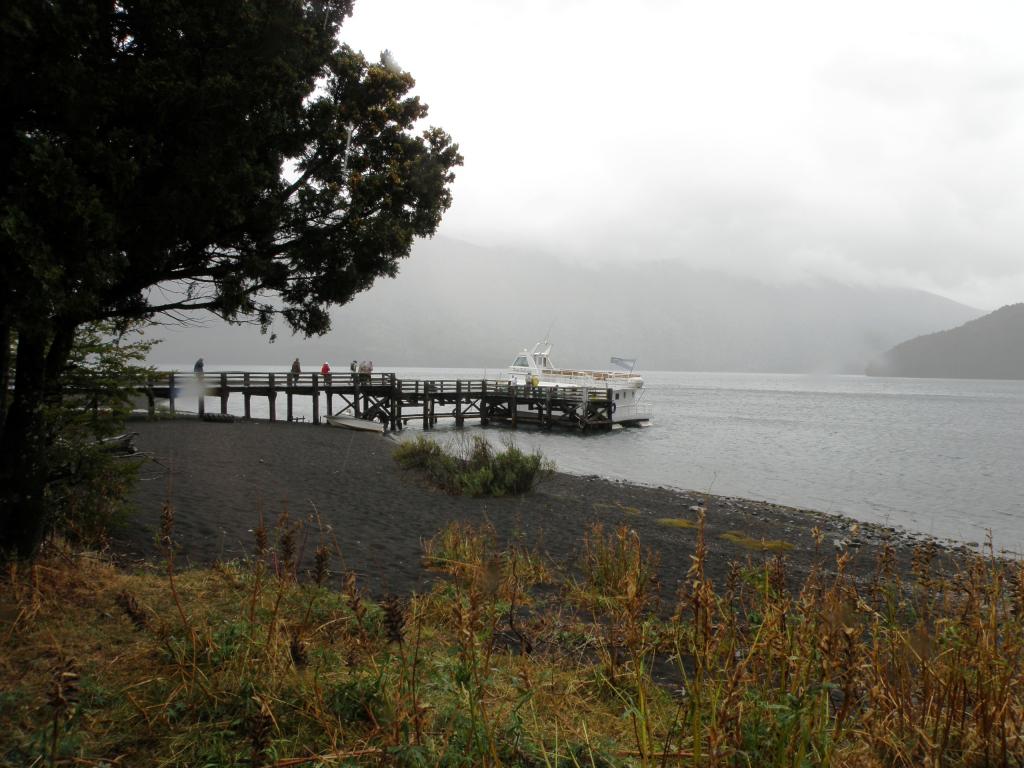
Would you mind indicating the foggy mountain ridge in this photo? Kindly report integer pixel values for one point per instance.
(455, 304)
(990, 347)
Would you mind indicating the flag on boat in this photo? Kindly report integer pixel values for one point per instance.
(624, 362)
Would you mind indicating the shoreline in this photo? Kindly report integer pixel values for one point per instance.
(891, 530)
(222, 476)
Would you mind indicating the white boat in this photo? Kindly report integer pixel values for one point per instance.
(534, 368)
(351, 422)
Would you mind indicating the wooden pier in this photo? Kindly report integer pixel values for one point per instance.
(393, 402)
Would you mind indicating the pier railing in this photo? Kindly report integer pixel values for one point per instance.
(492, 386)
(384, 397)
(252, 379)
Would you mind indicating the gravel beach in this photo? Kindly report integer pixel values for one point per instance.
(221, 477)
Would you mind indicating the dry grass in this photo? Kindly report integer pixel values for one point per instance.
(252, 663)
(618, 506)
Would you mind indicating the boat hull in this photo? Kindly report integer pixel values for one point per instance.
(359, 425)
(624, 390)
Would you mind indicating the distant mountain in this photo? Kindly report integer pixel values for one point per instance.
(991, 347)
(459, 305)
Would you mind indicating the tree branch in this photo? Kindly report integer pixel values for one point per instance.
(316, 165)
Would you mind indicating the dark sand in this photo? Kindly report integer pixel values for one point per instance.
(220, 476)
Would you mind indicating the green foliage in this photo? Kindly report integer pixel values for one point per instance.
(324, 188)
(790, 731)
(93, 500)
(91, 473)
(354, 700)
(474, 468)
(120, 202)
(440, 467)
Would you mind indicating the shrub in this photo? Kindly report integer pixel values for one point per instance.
(90, 473)
(474, 467)
(416, 454)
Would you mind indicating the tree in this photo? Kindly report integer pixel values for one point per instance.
(161, 158)
(92, 466)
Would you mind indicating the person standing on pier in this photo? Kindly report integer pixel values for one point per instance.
(325, 371)
(293, 377)
(198, 367)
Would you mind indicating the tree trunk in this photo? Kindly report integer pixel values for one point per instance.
(5, 369)
(56, 361)
(24, 466)
(25, 438)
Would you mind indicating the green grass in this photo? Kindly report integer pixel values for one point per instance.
(756, 545)
(676, 522)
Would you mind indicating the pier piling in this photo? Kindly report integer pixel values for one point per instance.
(272, 397)
(316, 399)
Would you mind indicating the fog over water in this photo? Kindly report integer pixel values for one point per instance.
(874, 142)
(458, 304)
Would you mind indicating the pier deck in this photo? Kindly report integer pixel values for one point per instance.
(394, 402)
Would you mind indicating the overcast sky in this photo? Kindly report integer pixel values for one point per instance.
(877, 142)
